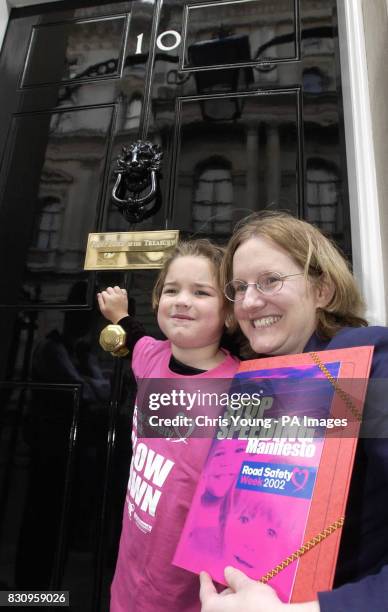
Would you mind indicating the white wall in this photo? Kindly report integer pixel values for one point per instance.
(363, 192)
(376, 38)
(4, 12)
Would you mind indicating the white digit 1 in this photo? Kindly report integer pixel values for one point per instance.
(173, 33)
(139, 44)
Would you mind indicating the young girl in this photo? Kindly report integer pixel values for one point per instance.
(164, 473)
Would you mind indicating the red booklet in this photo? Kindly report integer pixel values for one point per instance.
(276, 480)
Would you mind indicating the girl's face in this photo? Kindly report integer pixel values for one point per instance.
(279, 324)
(223, 466)
(254, 538)
(191, 312)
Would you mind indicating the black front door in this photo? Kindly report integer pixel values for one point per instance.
(243, 97)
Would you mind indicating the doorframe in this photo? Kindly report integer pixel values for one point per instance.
(367, 251)
(368, 263)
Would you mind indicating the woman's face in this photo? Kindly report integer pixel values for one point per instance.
(278, 324)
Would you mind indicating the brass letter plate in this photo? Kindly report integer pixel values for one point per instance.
(129, 250)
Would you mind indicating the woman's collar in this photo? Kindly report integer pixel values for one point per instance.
(315, 344)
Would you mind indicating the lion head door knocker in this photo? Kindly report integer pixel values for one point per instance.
(136, 192)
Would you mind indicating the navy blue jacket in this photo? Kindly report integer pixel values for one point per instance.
(361, 580)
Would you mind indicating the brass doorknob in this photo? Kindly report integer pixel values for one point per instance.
(112, 339)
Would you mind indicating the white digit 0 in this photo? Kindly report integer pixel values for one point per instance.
(173, 33)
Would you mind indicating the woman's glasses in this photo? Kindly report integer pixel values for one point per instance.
(269, 283)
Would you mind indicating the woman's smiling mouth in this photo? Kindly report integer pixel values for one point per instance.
(265, 321)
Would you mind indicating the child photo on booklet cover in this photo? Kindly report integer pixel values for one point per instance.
(256, 533)
(220, 473)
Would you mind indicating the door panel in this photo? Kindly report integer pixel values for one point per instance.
(33, 518)
(76, 60)
(259, 33)
(58, 197)
(217, 168)
(244, 98)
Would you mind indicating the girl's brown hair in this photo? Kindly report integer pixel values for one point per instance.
(315, 254)
(191, 248)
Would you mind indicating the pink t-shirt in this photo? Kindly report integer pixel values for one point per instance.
(163, 477)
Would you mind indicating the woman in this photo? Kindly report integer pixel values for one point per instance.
(291, 291)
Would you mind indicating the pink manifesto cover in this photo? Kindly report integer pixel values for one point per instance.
(263, 493)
